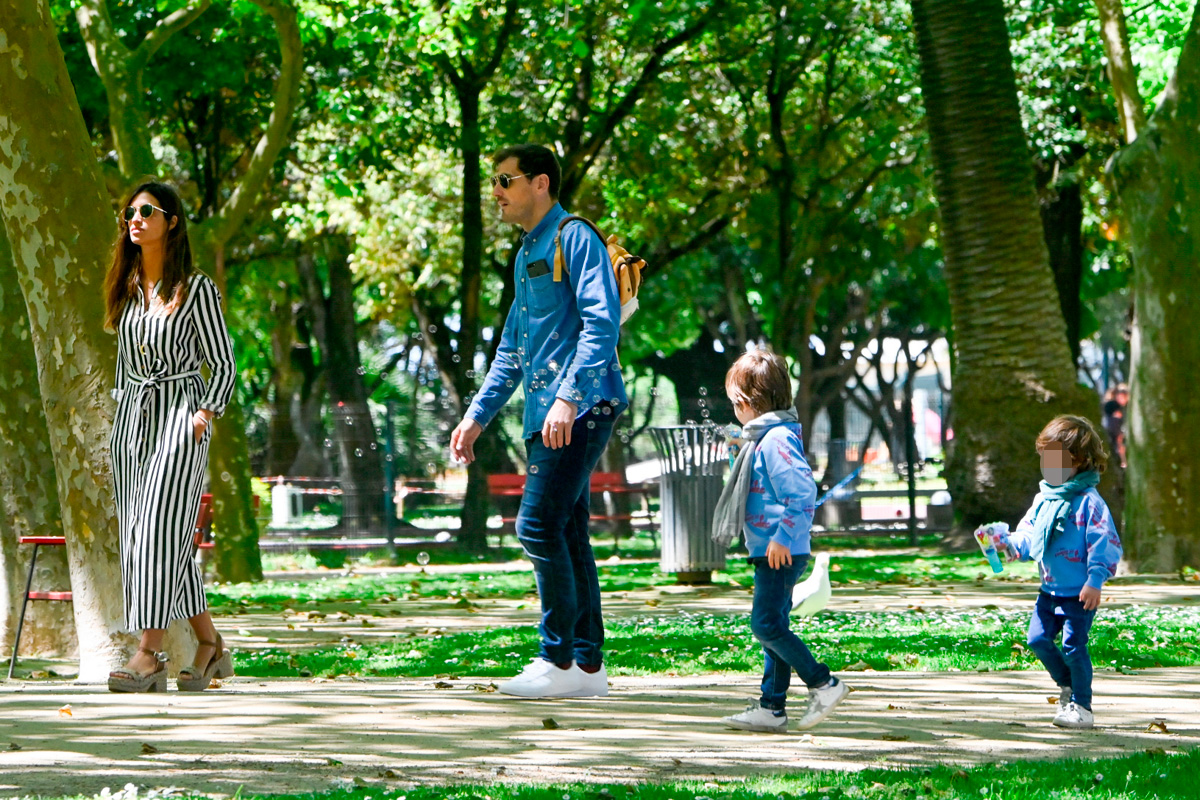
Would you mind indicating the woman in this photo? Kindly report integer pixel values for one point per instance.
(168, 321)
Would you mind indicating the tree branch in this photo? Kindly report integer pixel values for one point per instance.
(167, 27)
(1131, 108)
(287, 95)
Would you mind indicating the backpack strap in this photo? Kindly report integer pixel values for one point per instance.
(559, 258)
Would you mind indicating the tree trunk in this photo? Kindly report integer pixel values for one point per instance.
(473, 528)
(1157, 179)
(236, 557)
(283, 445)
(361, 464)
(1013, 370)
(60, 225)
(698, 373)
(1062, 226)
(28, 497)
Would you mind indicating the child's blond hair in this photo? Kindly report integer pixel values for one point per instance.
(759, 379)
(1079, 438)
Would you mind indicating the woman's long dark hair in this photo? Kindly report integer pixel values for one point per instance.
(120, 285)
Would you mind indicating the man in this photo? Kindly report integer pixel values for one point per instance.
(559, 343)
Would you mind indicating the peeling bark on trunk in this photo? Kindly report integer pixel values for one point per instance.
(60, 226)
(28, 497)
(1012, 368)
(1158, 181)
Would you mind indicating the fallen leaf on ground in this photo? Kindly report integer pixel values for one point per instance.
(1052, 700)
(857, 666)
(14, 746)
(390, 774)
(482, 687)
(652, 602)
(443, 685)
(894, 737)
(65, 711)
(1159, 725)
(333, 762)
(149, 749)
(549, 724)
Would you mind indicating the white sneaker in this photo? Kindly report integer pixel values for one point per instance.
(540, 678)
(821, 703)
(592, 684)
(757, 718)
(1075, 716)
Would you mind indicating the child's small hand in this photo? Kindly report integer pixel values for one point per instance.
(778, 555)
(1090, 597)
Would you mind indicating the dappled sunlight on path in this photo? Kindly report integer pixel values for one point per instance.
(277, 735)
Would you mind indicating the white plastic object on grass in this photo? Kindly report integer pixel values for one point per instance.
(812, 594)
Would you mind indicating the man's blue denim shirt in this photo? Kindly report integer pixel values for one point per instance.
(560, 339)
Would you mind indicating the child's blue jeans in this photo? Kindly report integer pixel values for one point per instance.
(769, 621)
(1071, 666)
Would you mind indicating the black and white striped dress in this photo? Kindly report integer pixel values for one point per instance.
(158, 467)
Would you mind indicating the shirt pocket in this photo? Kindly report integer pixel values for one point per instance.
(545, 295)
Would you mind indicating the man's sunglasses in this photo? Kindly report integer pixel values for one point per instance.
(145, 209)
(505, 180)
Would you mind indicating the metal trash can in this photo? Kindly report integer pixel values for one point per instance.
(693, 464)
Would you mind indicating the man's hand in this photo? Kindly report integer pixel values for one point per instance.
(462, 441)
(778, 555)
(556, 430)
(200, 422)
(1090, 597)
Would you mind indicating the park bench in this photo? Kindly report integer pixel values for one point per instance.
(513, 486)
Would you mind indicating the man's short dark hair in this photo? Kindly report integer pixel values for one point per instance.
(533, 160)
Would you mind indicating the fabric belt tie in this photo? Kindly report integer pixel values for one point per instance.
(141, 383)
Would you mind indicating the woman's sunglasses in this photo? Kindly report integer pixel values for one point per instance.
(505, 180)
(145, 209)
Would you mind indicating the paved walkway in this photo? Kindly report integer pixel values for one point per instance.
(291, 736)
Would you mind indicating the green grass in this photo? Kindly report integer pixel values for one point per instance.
(1149, 775)
(885, 568)
(685, 643)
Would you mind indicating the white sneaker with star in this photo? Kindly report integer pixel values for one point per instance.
(821, 703)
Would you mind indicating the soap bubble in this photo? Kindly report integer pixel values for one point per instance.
(422, 558)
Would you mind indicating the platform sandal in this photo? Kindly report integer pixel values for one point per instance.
(197, 679)
(132, 681)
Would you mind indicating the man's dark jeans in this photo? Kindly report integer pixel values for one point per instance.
(552, 526)
(770, 622)
(1071, 666)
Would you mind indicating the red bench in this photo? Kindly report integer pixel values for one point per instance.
(513, 485)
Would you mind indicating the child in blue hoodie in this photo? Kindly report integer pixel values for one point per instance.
(1070, 533)
(770, 497)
